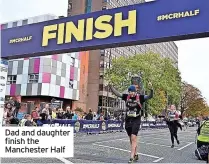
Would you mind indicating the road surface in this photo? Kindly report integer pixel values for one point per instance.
(154, 147)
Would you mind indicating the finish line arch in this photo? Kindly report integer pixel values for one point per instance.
(157, 21)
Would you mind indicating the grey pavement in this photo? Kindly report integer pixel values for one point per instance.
(153, 146)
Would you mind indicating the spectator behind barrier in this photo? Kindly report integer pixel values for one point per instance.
(44, 116)
(94, 116)
(68, 114)
(75, 116)
(60, 114)
(10, 114)
(89, 116)
(17, 106)
(54, 113)
(22, 122)
(5, 121)
(84, 116)
(35, 115)
(29, 121)
(11, 101)
(46, 109)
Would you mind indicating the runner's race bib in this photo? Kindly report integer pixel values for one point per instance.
(131, 114)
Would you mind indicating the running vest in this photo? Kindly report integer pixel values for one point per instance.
(133, 106)
(172, 115)
(204, 132)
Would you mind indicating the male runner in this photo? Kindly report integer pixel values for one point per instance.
(134, 102)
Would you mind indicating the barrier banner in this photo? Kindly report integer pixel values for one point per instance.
(145, 125)
(90, 126)
(81, 126)
(114, 125)
(87, 126)
(152, 125)
(57, 123)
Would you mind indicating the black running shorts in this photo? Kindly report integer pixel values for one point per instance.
(132, 126)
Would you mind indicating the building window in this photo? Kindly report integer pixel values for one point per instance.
(70, 6)
(14, 24)
(101, 64)
(24, 22)
(102, 52)
(101, 87)
(11, 79)
(101, 76)
(104, 8)
(4, 26)
(88, 6)
(33, 78)
(72, 61)
(71, 84)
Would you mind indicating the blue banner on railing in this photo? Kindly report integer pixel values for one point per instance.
(89, 126)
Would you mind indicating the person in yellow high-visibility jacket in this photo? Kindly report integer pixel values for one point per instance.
(203, 134)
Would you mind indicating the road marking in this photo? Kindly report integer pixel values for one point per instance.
(186, 146)
(150, 143)
(153, 134)
(109, 140)
(157, 160)
(65, 161)
(147, 155)
(164, 139)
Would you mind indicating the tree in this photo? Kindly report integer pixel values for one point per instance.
(157, 103)
(197, 108)
(189, 96)
(156, 69)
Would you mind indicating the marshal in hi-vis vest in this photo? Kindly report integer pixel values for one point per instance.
(133, 106)
(204, 132)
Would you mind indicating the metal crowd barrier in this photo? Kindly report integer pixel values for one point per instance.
(98, 127)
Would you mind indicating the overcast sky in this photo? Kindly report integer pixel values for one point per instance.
(193, 54)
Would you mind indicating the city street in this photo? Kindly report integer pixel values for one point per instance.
(154, 147)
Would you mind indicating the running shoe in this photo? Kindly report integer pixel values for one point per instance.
(136, 157)
(178, 142)
(172, 146)
(131, 160)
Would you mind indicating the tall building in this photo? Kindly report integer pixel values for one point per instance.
(30, 20)
(42, 79)
(98, 93)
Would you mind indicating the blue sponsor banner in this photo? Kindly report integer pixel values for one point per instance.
(161, 125)
(114, 125)
(145, 125)
(152, 125)
(157, 21)
(88, 126)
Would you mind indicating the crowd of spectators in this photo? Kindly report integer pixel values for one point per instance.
(12, 108)
(48, 113)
